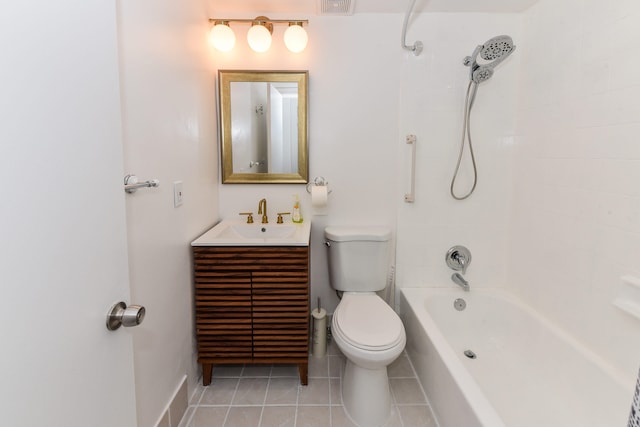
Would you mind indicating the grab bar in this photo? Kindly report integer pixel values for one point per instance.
(410, 196)
(131, 183)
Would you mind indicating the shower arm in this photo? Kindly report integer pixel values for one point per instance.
(416, 48)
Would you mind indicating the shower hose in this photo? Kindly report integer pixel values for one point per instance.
(466, 134)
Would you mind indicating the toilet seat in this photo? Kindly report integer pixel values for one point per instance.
(365, 321)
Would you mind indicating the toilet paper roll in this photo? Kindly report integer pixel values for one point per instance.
(319, 197)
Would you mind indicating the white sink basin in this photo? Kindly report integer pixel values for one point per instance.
(239, 233)
(258, 231)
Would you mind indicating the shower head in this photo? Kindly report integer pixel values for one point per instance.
(494, 50)
(481, 74)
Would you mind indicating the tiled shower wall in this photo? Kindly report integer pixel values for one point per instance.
(433, 88)
(576, 201)
(556, 214)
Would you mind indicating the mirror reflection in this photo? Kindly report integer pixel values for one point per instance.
(264, 131)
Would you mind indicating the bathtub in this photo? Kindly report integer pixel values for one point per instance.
(526, 373)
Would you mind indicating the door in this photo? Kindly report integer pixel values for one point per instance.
(63, 253)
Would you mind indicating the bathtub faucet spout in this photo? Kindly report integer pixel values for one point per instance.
(460, 281)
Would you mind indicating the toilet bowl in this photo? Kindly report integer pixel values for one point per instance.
(371, 336)
(367, 331)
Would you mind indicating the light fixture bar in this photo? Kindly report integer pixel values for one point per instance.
(272, 21)
(222, 37)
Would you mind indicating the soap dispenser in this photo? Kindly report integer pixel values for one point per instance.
(297, 214)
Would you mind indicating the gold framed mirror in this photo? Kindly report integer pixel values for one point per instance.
(263, 126)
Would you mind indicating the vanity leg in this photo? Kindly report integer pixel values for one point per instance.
(303, 370)
(207, 369)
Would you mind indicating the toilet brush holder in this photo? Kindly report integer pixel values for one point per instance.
(319, 336)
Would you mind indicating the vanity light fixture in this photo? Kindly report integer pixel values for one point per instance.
(259, 35)
(295, 38)
(223, 38)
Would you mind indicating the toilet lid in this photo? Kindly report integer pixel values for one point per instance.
(367, 322)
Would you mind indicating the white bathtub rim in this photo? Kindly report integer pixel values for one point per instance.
(620, 379)
(475, 397)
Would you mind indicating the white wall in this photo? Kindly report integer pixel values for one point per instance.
(576, 212)
(168, 89)
(433, 87)
(556, 215)
(574, 116)
(366, 94)
(354, 68)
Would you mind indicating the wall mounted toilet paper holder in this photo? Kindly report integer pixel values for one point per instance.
(319, 181)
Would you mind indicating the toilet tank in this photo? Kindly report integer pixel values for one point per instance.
(358, 257)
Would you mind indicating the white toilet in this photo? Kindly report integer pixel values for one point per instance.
(367, 331)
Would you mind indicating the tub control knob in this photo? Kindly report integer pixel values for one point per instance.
(458, 258)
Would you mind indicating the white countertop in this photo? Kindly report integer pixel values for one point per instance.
(239, 233)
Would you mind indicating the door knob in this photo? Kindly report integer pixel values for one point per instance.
(121, 315)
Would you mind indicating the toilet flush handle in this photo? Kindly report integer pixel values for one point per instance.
(327, 244)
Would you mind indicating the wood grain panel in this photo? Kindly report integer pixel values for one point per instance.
(252, 305)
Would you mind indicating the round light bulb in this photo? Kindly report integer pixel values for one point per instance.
(295, 38)
(222, 37)
(259, 38)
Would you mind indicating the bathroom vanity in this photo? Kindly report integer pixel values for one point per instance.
(252, 298)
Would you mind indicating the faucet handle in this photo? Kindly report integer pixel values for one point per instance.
(279, 220)
(463, 262)
(249, 216)
(458, 258)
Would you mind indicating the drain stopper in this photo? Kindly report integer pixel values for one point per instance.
(470, 354)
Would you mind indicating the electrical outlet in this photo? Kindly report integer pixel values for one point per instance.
(177, 194)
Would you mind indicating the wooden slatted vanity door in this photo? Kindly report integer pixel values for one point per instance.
(223, 315)
(280, 315)
(252, 304)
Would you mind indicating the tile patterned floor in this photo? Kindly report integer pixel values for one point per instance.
(270, 396)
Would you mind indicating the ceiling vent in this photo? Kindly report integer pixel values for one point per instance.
(336, 7)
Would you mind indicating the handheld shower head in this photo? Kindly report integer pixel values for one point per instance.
(481, 74)
(495, 50)
(492, 53)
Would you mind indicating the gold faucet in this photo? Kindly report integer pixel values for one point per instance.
(262, 210)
